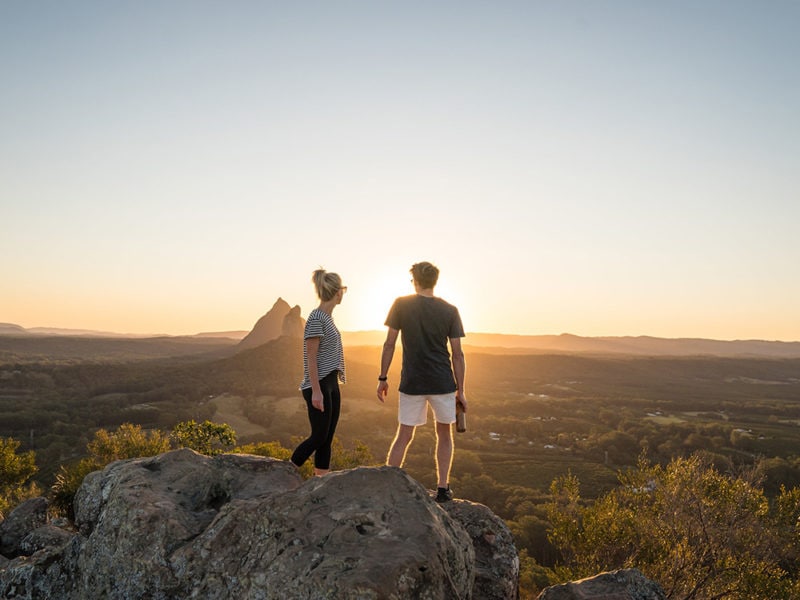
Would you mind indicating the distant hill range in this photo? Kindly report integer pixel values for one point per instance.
(285, 320)
(568, 343)
(639, 345)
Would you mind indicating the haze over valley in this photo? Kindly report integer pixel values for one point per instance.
(540, 406)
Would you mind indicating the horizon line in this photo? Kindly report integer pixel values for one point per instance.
(77, 332)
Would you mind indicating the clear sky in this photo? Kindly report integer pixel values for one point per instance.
(592, 167)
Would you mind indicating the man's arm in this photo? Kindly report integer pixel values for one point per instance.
(386, 361)
(459, 370)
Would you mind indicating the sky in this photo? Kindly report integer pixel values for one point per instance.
(587, 167)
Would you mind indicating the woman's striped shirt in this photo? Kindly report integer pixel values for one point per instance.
(331, 355)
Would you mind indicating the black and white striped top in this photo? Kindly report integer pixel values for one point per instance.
(331, 355)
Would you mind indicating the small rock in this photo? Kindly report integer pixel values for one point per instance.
(20, 522)
(625, 584)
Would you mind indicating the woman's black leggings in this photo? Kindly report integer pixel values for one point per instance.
(323, 424)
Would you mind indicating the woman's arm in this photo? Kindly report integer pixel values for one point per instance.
(312, 351)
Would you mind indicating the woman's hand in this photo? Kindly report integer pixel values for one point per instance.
(317, 400)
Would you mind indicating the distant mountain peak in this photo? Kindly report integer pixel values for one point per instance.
(279, 320)
(280, 304)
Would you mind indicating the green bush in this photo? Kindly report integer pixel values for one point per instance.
(698, 532)
(15, 473)
(207, 438)
(127, 441)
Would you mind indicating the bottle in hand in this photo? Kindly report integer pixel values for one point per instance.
(461, 419)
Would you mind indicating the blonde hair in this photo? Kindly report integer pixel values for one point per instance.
(326, 284)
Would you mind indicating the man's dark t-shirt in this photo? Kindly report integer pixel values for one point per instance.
(426, 324)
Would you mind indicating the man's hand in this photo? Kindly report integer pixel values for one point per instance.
(386, 360)
(462, 400)
(383, 390)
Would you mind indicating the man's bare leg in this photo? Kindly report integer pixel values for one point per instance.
(397, 451)
(444, 453)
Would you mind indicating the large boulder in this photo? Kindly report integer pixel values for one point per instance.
(625, 584)
(183, 525)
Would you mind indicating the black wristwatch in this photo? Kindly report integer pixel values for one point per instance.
(381, 378)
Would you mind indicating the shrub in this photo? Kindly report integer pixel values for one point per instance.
(207, 438)
(15, 473)
(127, 441)
(698, 532)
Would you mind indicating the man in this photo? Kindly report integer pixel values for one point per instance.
(427, 323)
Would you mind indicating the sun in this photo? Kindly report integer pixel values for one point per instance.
(368, 301)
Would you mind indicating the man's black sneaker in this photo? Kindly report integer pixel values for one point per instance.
(444, 494)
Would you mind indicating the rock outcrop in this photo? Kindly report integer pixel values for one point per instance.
(27, 517)
(293, 324)
(280, 320)
(496, 557)
(183, 525)
(625, 584)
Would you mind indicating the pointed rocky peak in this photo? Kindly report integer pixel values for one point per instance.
(281, 306)
(293, 323)
(268, 327)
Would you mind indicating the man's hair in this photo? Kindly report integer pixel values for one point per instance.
(425, 274)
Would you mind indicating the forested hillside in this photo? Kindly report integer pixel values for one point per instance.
(532, 418)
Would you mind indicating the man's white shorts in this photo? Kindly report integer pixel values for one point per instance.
(413, 410)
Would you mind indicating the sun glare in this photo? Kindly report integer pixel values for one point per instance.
(366, 309)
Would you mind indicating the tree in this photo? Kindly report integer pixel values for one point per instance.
(275, 450)
(699, 533)
(467, 461)
(15, 472)
(270, 449)
(341, 458)
(533, 577)
(127, 441)
(207, 438)
(483, 489)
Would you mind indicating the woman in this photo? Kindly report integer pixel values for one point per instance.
(323, 369)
